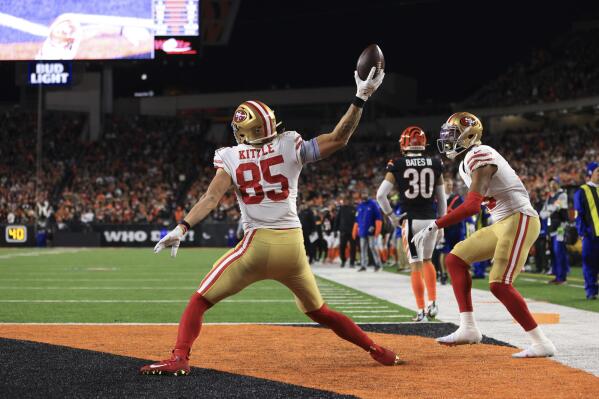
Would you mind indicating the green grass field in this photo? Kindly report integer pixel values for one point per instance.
(534, 286)
(136, 286)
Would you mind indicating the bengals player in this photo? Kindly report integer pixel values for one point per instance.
(492, 182)
(419, 180)
(264, 169)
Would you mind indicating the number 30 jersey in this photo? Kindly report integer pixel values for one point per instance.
(506, 194)
(416, 177)
(265, 180)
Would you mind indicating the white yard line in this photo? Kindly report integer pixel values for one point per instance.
(42, 253)
(537, 280)
(116, 288)
(349, 311)
(176, 324)
(138, 300)
(576, 336)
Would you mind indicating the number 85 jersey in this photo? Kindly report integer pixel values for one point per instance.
(265, 180)
(416, 177)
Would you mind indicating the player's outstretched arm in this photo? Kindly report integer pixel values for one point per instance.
(207, 202)
(481, 179)
(330, 142)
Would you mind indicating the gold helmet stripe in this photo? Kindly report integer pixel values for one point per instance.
(264, 116)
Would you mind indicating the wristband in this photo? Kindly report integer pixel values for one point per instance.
(358, 102)
(186, 225)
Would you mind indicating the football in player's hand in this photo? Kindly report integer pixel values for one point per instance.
(372, 56)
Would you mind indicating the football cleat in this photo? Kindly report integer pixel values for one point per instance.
(420, 317)
(432, 311)
(462, 336)
(178, 364)
(384, 356)
(545, 349)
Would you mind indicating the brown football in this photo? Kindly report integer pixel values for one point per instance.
(372, 56)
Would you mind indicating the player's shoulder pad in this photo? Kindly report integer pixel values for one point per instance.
(479, 151)
(289, 134)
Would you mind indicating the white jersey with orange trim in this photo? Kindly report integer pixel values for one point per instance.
(265, 180)
(506, 194)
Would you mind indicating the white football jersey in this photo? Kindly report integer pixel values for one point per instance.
(506, 194)
(265, 180)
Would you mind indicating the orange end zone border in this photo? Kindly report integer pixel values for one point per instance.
(317, 358)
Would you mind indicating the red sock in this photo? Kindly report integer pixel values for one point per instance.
(459, 271)
(418, 288)
(515, 304)
(430, 279)
(342, 325)
(191, 322)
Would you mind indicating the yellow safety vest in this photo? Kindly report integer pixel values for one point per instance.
(592, 196)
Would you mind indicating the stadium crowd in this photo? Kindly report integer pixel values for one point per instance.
(121, 179)
(565, 70)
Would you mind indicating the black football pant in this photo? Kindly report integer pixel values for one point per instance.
(344, 238)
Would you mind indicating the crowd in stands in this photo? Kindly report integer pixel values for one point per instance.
(566, 70)
(153, 170)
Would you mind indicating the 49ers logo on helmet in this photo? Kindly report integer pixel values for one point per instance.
(468, 121)
(240, 116)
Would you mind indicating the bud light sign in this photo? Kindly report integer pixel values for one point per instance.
(50, 73)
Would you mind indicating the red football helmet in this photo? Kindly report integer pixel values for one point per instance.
(412, 138)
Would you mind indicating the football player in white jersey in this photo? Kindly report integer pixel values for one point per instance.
(491, 182)
(264, 168)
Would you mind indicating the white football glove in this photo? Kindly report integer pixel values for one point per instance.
(367, 87)
(395, 219)
(172, 239)
(544, 214)
(440, 236)
(428, 233)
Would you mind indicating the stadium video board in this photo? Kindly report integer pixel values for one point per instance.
(76, 29)
(176, 17)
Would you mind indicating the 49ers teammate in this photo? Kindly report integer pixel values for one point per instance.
(264, 169)
(419, 179)
(491, 181)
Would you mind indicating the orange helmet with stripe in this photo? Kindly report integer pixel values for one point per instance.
(253, 123)
(412, 138)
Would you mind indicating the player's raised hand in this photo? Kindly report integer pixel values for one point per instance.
(172, 239)
(365, 88)
(426, 234)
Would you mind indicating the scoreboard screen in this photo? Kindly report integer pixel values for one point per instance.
(76, 29)
(176, 17)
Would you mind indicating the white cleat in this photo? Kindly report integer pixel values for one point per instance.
(462, 336)
(545, 349)
(432, 311)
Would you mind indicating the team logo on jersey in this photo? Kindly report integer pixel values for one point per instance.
(468, 121)
(240, 116)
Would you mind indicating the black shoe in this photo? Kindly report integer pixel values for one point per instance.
(592, 298)
(362, 269)
(443, 278)
(377, 268)
(352, 265)
(343, 264)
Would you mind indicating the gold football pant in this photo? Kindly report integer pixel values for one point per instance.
(264, 254)
(507, 242)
